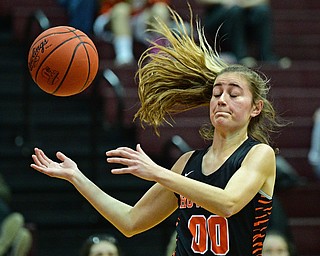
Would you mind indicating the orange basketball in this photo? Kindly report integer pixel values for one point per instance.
(63, 61)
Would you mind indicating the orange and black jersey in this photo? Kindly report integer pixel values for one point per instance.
(200, 232)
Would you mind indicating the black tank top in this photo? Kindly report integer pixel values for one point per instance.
(200, 232)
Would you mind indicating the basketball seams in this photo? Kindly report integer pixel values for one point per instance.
(81, 43)
(51, 34)
(86, 83)
(61, 66)
(49, 54)
(88, 57)
(89, 41)
(89, 65)
(68, 69)
(42, 49)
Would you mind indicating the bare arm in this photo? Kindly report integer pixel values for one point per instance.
(156, 205)
(256, 173)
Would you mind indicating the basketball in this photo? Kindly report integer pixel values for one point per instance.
(63, 61)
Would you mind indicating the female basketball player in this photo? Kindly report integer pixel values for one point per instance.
(223, 192)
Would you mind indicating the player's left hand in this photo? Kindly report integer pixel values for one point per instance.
(137, 162)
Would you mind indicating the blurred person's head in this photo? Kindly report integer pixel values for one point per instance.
(101, 245)
(276, 244)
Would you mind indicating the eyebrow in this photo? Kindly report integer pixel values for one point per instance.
(230, 84)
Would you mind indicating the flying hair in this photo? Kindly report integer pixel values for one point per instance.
(179, 76)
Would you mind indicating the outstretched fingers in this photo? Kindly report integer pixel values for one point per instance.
(121, 154)
(36, 162)
(124, 156)
(124, 170)
(136, 162)
(121, 160)
(117, 160)
(40, 158)
(121, 151)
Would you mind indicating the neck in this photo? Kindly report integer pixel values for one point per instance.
(224, 144)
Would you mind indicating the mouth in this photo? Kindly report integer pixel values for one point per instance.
(221, 113)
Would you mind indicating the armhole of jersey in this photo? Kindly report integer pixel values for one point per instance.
(265, 194)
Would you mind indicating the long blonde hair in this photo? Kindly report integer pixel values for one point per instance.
(180, 77)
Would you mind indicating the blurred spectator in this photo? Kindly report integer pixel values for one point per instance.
(314, 153)
(15, 239)
(277, 244)
(81, 13)
(242, 23)
(5, 197)
(120, 22)
(171, 246)
(101, 245)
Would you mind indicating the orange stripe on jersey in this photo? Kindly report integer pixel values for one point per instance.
(262, 216)
(257, 251)
(266, 201)
(263, 209)
(258, 237)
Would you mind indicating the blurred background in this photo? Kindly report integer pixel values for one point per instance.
(86, 125)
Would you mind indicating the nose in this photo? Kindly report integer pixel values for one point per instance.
(222, 99)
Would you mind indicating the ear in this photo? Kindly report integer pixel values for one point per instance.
(257, 107)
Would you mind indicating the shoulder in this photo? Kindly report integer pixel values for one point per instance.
(181, 162)
(261, 151)
(261, 157)
(260, 162)
(263, 161)
(262, 148)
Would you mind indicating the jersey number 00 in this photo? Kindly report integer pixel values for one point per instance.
(213, 229)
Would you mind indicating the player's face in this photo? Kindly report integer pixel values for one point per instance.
(231, 105)
(104, 248)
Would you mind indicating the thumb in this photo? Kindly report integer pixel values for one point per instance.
(139, 149)
(61, 156)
